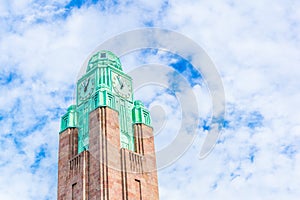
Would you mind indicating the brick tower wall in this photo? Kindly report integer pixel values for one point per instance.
(106, 171)
(72, 168)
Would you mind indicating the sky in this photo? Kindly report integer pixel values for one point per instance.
(255, 47)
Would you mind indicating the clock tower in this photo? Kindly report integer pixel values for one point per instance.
(106, 143)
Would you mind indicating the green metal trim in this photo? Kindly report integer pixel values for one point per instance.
(69, 120)
(104, 58)
(140, 114)
(104, 98)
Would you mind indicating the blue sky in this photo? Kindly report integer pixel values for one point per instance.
(255, 48)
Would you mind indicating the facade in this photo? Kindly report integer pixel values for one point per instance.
(106, 143)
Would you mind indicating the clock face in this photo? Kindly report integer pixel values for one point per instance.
(121, 86)
(86, 88)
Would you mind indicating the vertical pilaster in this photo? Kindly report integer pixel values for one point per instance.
(144, 141)
(104, 148)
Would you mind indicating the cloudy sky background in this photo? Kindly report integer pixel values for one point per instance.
(254, 45)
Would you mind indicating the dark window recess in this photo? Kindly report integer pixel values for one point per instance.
(103, 55)
(74, 188)
(138, 188)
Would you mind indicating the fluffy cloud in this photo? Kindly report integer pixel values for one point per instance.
(255, 46)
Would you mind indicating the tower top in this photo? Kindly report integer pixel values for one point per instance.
(106, 143)
(104, 58)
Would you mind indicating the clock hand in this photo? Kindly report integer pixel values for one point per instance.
(120, 82)
(82, 85)
(86, 85)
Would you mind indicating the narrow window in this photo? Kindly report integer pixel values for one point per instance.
(138, 189)
(74, 187)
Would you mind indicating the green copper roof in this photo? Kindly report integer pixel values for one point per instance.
(104, 58)
(69, 120)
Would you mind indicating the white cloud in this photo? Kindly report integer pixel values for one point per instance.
(255, 46)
